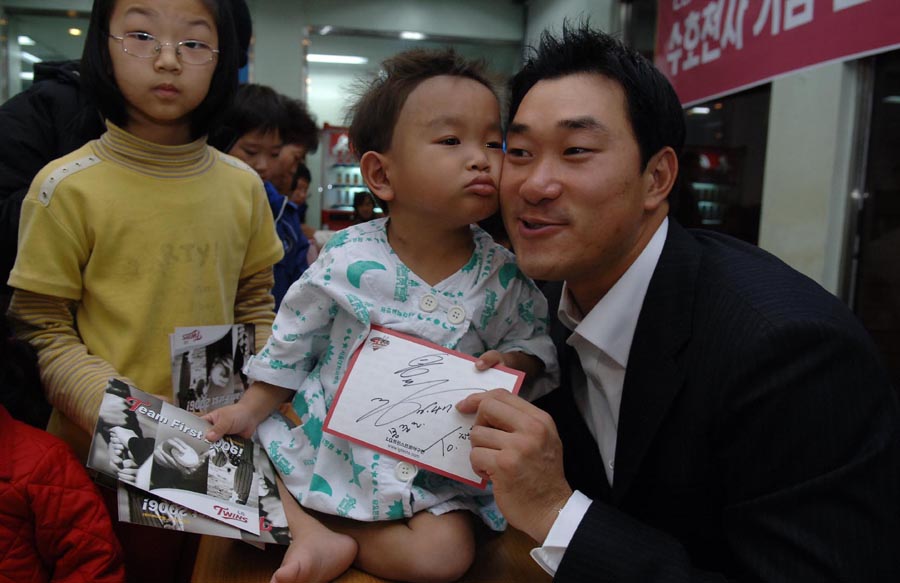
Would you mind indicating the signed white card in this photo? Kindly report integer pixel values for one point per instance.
(399, 397)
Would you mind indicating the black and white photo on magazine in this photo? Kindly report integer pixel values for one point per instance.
(207, 363)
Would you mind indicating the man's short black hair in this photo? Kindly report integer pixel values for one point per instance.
(654, 109)
(100, 84)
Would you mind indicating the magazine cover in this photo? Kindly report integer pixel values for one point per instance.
(158, 448)
(273, 526)
(138, 507)
(207, 363)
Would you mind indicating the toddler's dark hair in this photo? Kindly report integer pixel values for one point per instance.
(375, 113)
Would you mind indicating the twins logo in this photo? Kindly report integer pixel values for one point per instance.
(379, 342)
(193, 335)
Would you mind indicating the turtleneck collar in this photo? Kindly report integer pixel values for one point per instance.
(156, 160)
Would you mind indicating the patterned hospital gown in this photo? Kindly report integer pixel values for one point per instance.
(358, 281)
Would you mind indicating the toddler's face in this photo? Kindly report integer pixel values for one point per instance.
(445, 156)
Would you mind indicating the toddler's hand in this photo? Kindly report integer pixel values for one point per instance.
(230, 420)
(490, 359)
(526, 363)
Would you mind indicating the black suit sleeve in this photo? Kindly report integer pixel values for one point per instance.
(806, 455)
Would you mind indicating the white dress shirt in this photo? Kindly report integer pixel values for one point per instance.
(602, 339)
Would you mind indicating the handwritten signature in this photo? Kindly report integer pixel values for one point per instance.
(422, 401)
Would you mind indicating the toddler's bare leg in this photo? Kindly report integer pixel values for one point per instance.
(424, 549)
(316, 553)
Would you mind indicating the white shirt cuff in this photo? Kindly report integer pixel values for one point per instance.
(550, 555)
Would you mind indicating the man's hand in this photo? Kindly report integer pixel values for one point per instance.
(516, 446)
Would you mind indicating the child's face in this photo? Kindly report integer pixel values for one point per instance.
(288, 159)
(300, 192)
(445, 156)
(259, 151)
(161, 91)
(365, 210)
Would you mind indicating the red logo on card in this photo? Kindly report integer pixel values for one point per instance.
(379, 342)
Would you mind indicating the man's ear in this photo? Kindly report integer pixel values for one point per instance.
(375, 169)
(659, 177)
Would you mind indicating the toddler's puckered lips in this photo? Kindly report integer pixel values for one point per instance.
(482, 185)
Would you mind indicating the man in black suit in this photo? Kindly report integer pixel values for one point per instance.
(721, 416)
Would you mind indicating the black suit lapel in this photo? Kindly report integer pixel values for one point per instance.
(654, 376)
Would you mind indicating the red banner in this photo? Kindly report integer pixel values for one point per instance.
(708, 48)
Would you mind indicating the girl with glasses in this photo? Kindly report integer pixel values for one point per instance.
(146, 228)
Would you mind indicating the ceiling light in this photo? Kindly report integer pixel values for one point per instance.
(326, 29)
(698, 111)
(892, 99)
(30, 58)
(339, 59)
(26, 75)
(409, 35)
(26, 41)
(75, 31)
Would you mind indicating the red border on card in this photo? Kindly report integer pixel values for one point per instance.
(520, 377)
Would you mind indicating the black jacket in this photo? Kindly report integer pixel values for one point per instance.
(758, 435)
(48, 120)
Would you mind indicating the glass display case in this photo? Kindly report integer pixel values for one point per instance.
(341, 178)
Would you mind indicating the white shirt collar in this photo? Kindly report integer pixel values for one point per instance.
(610, 324)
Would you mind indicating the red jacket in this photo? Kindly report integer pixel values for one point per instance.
(53, 523)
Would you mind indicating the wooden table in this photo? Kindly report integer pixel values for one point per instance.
(499, 559)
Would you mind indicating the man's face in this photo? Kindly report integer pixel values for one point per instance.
(573, 194)
(288, 159)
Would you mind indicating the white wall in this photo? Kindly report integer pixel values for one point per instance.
(279, 31)
(808, 156)
(542, 14)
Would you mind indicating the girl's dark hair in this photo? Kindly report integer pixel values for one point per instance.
(375, 113)
(100, 84)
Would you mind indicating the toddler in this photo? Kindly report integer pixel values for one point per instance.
(428, 134)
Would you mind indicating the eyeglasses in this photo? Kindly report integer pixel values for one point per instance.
(145, 46)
